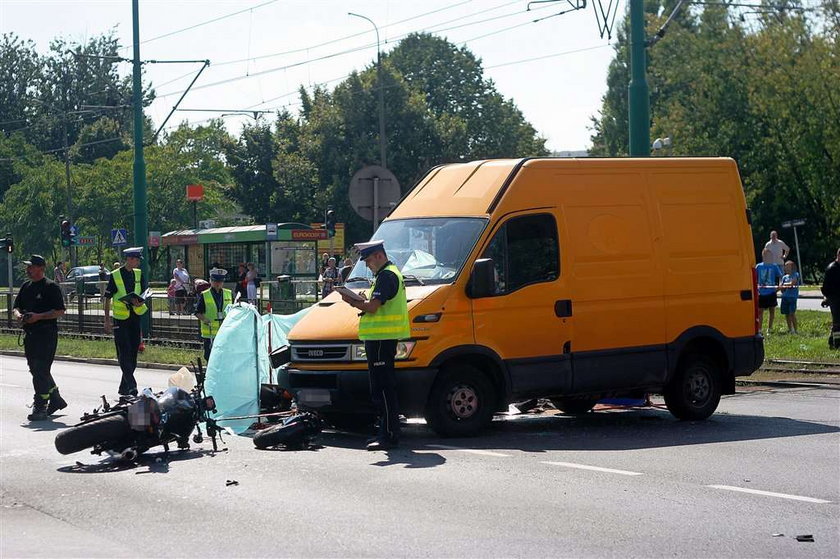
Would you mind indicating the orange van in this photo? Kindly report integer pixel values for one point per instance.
(571, 279)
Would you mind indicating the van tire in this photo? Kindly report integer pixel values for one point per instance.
(461, 402)
(574, 406)
(694, 391)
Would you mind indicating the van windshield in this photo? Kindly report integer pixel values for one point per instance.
(432, 250)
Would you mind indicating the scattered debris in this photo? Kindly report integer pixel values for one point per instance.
(230, 482)
(778, 535)
(805, 538)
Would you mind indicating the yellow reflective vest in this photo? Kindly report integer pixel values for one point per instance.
(211, 312)
(390, 321)
(122, 310)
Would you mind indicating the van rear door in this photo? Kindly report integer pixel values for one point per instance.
(528, 319)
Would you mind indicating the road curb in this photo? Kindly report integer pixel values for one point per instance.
(786, 384)
(98, 361)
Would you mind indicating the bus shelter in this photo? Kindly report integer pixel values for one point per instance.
(281, 249)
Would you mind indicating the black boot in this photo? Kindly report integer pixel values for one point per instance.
(39, 409)
(56, 402)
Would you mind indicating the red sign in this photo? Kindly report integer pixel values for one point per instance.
(309, 234)
(195, 192)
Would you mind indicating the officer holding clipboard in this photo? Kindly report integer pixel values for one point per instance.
(125, 288)
(382, 322)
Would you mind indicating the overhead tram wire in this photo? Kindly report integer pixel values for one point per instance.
(170, 33)
(535, 58)
(344, 52)
(351, 36)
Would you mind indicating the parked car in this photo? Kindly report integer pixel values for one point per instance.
(89, 275)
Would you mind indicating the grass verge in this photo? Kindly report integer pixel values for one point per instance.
(104, 349)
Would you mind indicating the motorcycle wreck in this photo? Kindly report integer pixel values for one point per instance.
(138, 423)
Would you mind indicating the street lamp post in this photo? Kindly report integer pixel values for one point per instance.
(382, 160)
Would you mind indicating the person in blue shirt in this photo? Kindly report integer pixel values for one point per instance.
(790, 293)
(769, 276)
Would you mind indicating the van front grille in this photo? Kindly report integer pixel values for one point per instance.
(332, 352)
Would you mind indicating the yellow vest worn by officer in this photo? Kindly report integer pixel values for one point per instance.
(211, 312)
(390, 321)
(121, 310)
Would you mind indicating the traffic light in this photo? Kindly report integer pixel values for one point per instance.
(329, 223)
(7, 244)
(67, 236)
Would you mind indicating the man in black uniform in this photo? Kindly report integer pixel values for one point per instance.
(37, 307)
(831, 291)
(124, 287)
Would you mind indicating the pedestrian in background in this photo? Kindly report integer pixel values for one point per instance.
(241, 282)
(831, 293)
(37, 306)
(124, 286)
(778, 249)
(330, 278)
(252, 282)
(182, 282)
(790, 293)
(59, 277)
(769, 276)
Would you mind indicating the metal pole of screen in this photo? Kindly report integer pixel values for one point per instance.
(375, 203)
(11, 276)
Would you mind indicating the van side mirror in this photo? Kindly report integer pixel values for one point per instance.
(483, 278)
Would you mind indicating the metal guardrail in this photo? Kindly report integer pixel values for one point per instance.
(171, 320)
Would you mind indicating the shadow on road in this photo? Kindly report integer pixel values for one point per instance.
(630, 430)
(47, 425)
(146, 463)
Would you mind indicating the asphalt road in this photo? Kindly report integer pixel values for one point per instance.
(614, 483)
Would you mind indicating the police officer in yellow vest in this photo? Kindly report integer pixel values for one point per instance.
(124, 287)
(384, 321)
(210, 308)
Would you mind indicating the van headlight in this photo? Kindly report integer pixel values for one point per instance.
(404, 350)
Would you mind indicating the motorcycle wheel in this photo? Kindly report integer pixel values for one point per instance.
(91, 434)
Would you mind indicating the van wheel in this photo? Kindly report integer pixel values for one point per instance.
(461, 402)
(574, 406)
(694, 392)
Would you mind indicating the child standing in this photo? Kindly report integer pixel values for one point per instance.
(790, 292)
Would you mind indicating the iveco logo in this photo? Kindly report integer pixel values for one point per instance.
(316, 353)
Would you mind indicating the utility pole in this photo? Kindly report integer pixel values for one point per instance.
(637, 92)
(71, 250)
(140, 224)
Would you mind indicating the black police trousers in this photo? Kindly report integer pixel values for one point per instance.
(39, 344)
(127, 341)
(383, 386)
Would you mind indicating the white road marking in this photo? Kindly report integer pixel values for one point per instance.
(10, 385)
(769, 493)
(470, 450)
(594, 468)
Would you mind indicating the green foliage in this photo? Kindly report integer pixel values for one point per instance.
(762, 91)
(811, 343)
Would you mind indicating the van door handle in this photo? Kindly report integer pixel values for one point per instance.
(563, 308)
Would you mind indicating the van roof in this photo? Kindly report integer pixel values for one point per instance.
(474, 188)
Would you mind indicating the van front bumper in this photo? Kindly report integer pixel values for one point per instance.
(348, 391)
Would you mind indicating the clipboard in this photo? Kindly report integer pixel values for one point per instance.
(349, 293)
(130, 298)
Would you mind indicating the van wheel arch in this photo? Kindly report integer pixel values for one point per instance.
(709, 343)
(484, 359)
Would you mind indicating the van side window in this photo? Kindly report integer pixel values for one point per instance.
(524, 250)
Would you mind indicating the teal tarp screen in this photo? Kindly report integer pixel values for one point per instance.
(239, 361)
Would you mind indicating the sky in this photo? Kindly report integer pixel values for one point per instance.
(554, 69)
